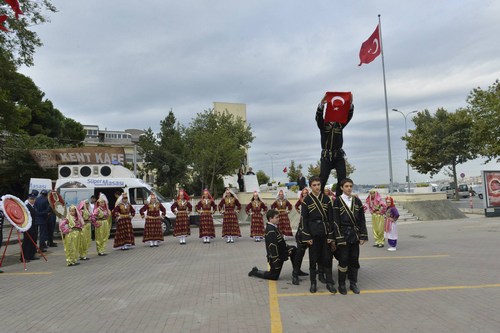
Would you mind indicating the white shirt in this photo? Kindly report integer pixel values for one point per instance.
(347, 199)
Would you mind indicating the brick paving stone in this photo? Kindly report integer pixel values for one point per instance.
(205, 288)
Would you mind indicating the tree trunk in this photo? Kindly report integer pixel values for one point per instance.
(454, 166)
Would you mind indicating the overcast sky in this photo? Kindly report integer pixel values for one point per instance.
(122, 64)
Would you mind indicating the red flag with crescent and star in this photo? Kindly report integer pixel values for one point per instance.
(338, 105)
(370, 49)
(3, 18)
(14, 4)
(285, 170)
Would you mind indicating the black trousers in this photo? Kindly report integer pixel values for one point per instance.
(320, 255)
(51, 225)
(43, 233)
(348, 255)
(29, 248)
(276, 266)
(327, 166)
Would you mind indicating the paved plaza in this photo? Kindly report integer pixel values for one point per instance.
(444, 277)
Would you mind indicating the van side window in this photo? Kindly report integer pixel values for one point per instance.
(139, 196)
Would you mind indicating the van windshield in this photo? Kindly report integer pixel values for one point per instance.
(139, 195)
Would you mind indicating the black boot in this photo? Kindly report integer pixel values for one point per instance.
(302, 273)
(321, 277)
(353, 279)
(342, 288)
(313, 288)
(253, 271)
(295, 279)
(330, 284)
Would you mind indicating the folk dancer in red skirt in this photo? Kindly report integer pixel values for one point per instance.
(71, 227)
(181, 208)
(283, 206)
(229, 206)
(123, 213)
(153, 231)
(255, 209)
(86, 234)
(206, 207)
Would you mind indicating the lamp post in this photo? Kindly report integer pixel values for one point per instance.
(271, 155)
(406, 135)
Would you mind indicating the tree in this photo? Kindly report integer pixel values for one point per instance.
(217, 145)
(484, 109)
(293, 172)
(440, 140)
(165, 154)
(19, 44)
(262, 178)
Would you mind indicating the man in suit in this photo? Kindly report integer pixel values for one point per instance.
(277, 250)
(29, 248)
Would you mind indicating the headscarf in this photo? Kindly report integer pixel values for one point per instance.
(82, 209)
(230, 191)
(375, 201)
(102, 198)
(391, 199)
(186, 196)
(278, 195)
(71, 219)
(209, 196)
(258, 196)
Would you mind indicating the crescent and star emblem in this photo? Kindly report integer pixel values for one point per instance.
(375, 44)
(337, 105)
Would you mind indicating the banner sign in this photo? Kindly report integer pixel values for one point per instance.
(491, 181)
(51, 158)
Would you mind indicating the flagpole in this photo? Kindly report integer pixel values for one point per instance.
(386, 107)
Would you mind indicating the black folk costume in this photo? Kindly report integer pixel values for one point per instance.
(350, 228)
(277, 253)
(317, 218)
(332, 154)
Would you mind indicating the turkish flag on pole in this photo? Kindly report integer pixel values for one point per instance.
(338, 105)
(370, 49)
(285, 170)
(14, 4)
(2, 20)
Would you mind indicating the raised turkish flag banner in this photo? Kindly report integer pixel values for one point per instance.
(337, 105)
(370, 49)
(285, 170)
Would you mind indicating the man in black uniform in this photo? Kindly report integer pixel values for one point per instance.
(277, 249)
(350, 233)
(29, 248)
(317, 215)
(332, 154)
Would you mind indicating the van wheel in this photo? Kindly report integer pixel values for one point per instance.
(480, 195)
(166, 226)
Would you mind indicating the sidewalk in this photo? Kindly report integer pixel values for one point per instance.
(444, 277)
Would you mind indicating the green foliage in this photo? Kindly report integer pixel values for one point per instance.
(217, 144)
(262, 178)
(293, 172)
(439, 140)
(18, 46)
(484, 108)
(165, 153)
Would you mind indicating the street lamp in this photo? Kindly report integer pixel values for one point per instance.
(271, 155)
(406, 135)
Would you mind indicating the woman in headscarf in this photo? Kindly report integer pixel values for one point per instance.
(86, 234)
(101, 218)
(256, 208)
(206, 207)
(284, 207)
(153, 231)
(229, 206)
(71, 227)
(375, 204)
(124, 212)
(181, 208)
(391, 216)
